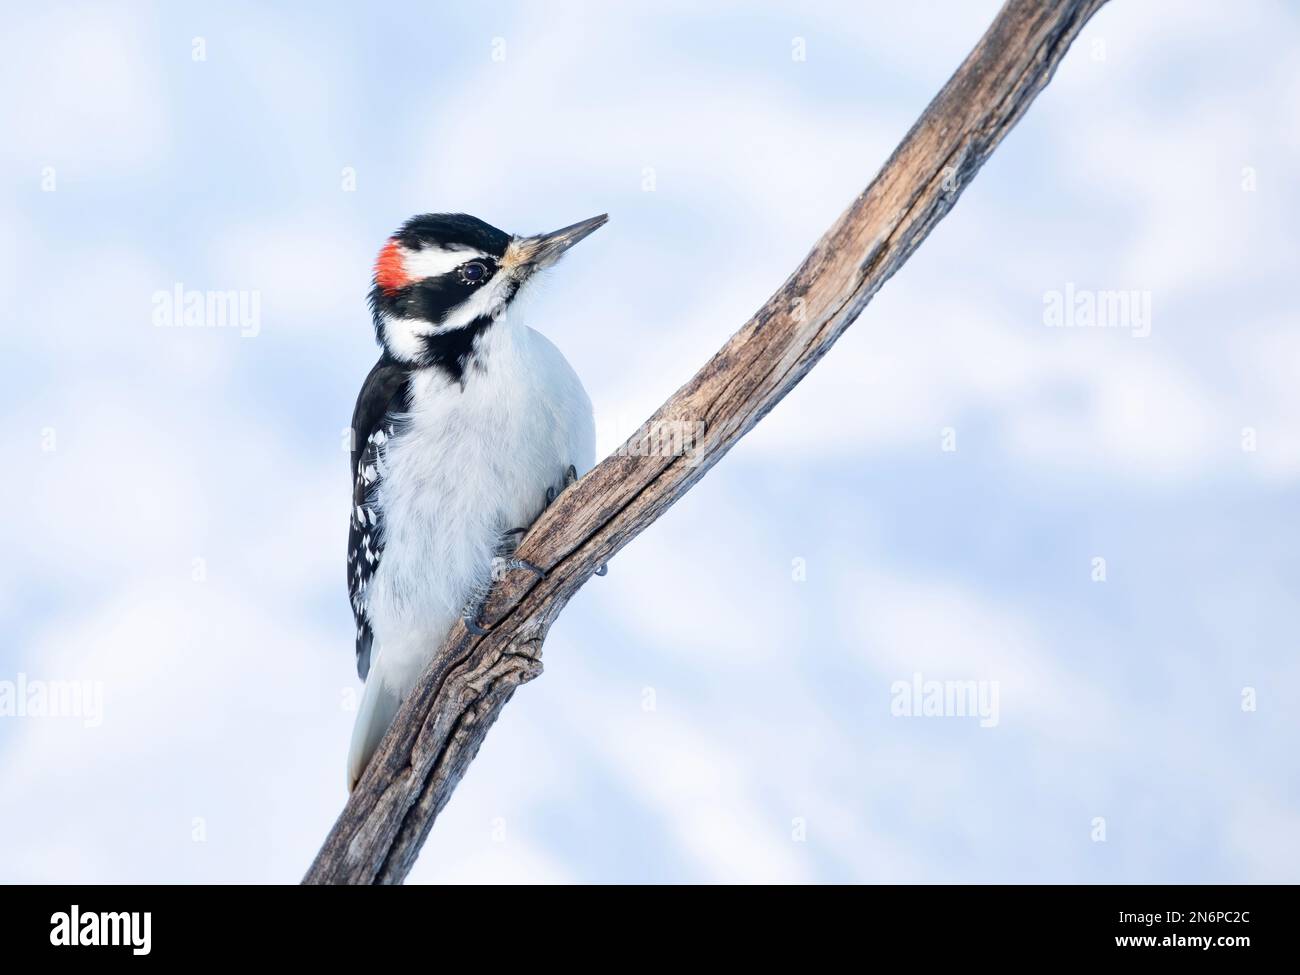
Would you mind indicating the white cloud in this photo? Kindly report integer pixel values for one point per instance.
(1266, 836)
(706, 793)
(902, 627)
(199, 682)
(88, 89)
(311, 274)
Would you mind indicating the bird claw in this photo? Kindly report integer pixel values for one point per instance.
(470, 618)
(501, 565)
(570, 478)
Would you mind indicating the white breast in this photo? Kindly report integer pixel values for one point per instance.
(468, 465)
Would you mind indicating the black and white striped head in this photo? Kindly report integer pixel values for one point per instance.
(445, 277)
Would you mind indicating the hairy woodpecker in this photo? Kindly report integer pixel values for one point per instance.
(465, 429)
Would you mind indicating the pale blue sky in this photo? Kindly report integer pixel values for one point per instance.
(1161, 160)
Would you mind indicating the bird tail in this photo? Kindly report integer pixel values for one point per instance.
(379, 706)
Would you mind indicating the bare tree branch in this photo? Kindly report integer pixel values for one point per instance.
(440, 727)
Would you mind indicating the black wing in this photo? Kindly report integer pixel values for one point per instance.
(383, 398)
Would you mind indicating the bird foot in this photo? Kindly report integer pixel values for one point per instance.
(570, 478)
(469, 616)
(501, 564)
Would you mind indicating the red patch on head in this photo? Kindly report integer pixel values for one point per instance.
(390, 269)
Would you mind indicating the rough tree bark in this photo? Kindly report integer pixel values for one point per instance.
(440, 727)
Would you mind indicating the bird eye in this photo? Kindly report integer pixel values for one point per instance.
(473, 272)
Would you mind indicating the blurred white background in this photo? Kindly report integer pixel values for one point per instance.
(175, 505)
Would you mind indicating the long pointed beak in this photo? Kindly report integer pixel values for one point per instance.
(542, 251)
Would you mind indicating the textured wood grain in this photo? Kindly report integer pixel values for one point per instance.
(439, 729)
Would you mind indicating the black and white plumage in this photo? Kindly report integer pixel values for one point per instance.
(383, 401)
(463, 425)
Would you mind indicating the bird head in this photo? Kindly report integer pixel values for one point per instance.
(443, 276)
